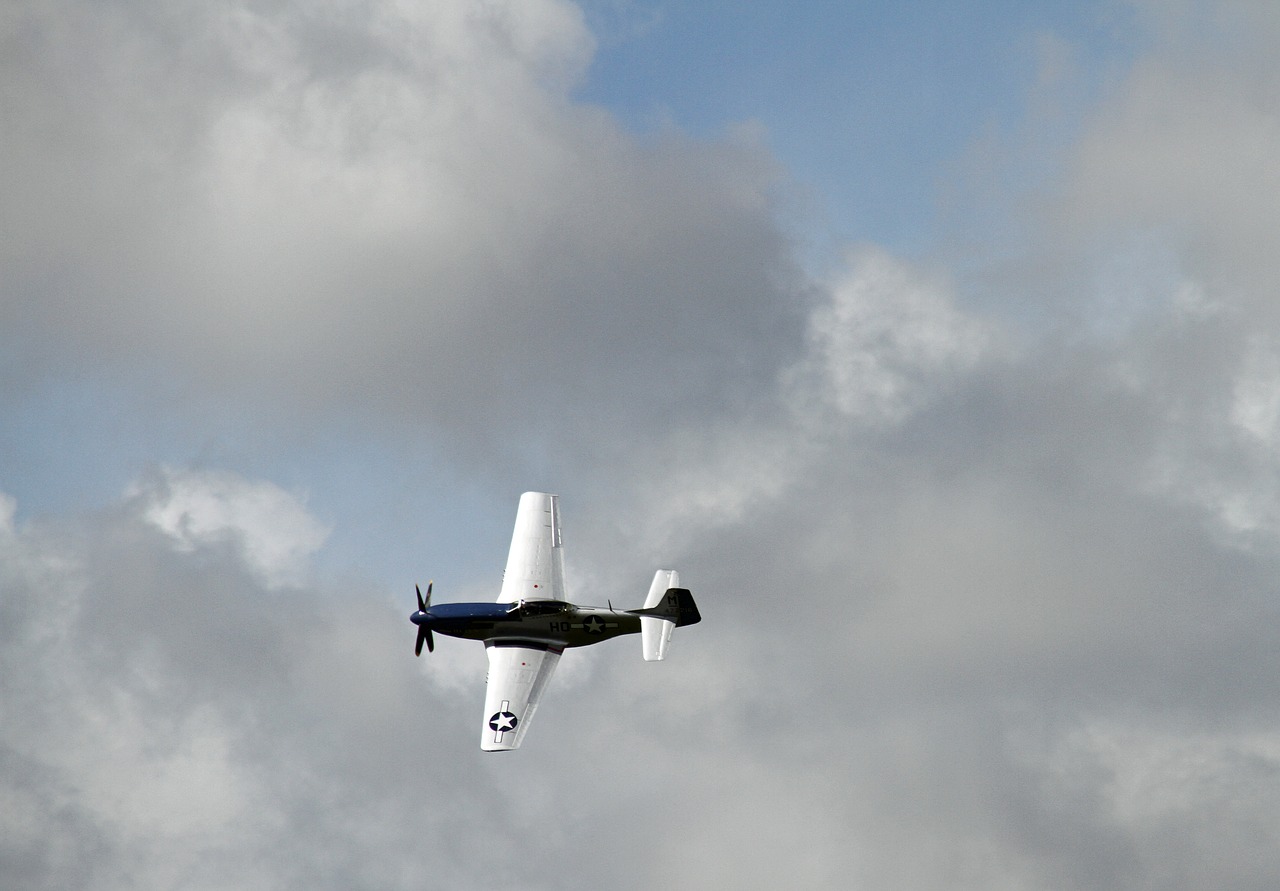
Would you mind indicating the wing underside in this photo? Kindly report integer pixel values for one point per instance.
(518, 674)
(535, 564)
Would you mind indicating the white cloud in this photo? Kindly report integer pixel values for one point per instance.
(392, 211)
(164, 724)
(889, 341)
(268, 526)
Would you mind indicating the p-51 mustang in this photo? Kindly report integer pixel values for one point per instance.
(531, 624)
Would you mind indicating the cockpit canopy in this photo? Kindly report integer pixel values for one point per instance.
(542, 607)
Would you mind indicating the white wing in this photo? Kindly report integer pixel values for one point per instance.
(535, 565)
(517, 676)
(518, 673)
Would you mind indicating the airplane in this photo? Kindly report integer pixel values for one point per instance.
(531, 623)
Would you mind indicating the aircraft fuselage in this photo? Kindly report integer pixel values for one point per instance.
(556, 623)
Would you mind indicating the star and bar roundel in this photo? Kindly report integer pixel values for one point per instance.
(503, 721)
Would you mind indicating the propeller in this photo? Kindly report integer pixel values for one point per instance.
(424, 630)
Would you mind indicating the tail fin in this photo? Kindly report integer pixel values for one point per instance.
(667, 607)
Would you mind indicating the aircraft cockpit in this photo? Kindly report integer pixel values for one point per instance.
(530, 608)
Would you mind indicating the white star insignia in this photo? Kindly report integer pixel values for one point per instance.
(503, 722)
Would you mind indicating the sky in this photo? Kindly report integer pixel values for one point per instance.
(936, 347)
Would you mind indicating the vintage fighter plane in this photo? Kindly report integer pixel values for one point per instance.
(531, 624)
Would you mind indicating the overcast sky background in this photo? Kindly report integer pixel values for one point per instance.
(937, 347)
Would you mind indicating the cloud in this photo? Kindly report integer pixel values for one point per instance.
(382, 210)
(172, 721)
(1008, 573)
(886, 337)
(206, 508)
(986, 554)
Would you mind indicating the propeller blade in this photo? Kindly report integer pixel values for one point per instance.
(424, 632)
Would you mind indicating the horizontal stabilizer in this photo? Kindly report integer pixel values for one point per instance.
(666, 608)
